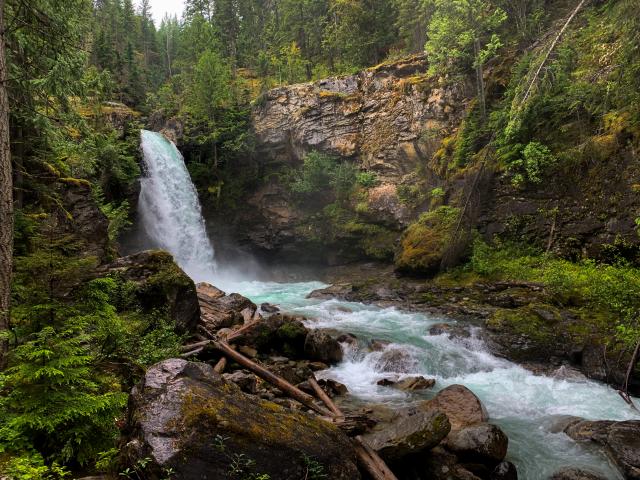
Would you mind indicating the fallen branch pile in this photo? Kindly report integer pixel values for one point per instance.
(351, 425)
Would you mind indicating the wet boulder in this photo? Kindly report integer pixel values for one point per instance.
(573, 473)
(409, 431)
(185, 417)
(278, 333)
(394, 359)
(410, 384)
(220, 310)
(483, 443)
(460, 404)
(620, 440)
(158, 283)
(320, 346)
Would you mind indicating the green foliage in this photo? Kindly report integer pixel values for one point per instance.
(611, 288)
(367, 179)
(31, 466)
(453, 29)
(533, 166)
(324, 175)
(315, 470)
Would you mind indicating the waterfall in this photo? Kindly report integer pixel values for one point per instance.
(170, 210)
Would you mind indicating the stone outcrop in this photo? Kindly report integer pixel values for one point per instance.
(411, 431)
(377, 117)
(185, 417)
(620, 440)
(320, 346)
(159, 283)
(82, 218)
(219, 310)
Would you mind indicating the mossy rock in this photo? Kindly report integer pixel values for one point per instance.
(425, 242)
(159, 284)
(186, 417)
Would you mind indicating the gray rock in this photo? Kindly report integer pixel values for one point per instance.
(246, 381)
(461, 406)
(504, 471)
(410, 431)
(620, 440)
(223, 311)
(321, 347)
(573, 473)
(186, 417)
(484, 443)
(395, 360)
(414, 383)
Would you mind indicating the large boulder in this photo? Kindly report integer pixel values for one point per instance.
(483, 442)
(186, 418)
(424, 244)
(411, 430)
(220, 310)
(461, 406)
(278, 333)
(322, 347)
(159, 284)
(620, 440)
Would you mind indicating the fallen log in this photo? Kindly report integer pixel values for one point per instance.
(367, 456)
(220, 366)
(322, 395)
(282, 384)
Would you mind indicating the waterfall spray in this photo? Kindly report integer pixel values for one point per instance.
(170, 210)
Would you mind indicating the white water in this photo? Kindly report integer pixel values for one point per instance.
(170, 209)
(523, 404)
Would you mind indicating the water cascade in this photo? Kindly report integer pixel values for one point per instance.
(170, 210)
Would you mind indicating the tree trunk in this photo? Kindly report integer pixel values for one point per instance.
(6, 199)
(479, 79)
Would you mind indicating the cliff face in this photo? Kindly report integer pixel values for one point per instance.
(388, 119)
(399, 123)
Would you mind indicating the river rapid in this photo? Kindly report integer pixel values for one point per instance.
(524, 405)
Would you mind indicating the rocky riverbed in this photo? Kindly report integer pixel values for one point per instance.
(197, 423)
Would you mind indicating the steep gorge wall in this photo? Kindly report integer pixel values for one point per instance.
(402, 124)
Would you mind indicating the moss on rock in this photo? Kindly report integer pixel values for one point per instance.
(425, 242)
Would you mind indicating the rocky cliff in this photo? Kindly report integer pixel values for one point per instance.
(402, 125)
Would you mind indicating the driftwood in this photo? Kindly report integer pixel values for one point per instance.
(220, 366)
(192, 352)
(294, 392)
(368, 457)
(322, 395)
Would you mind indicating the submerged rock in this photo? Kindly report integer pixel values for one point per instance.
(414, 383)
(185, 417)
(321, 347)
(620, 440)
(572, 473)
